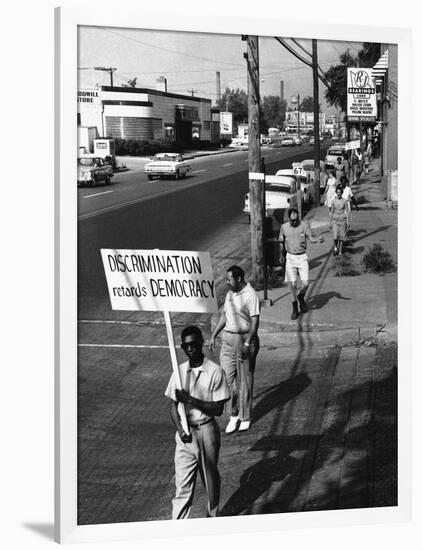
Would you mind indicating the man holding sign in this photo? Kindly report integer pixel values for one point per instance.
(205, 391)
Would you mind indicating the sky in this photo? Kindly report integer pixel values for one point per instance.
(189, 61)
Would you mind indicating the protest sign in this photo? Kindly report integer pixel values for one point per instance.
(160, 280)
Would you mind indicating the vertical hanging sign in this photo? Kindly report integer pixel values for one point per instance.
(361, 95)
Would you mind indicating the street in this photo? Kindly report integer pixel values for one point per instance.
(316, 405)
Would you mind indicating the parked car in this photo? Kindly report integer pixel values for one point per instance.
(287, 142)
(297, 140)
(92, 170)
(305, 182)
(239, 142)
(167, 164)
(309, 166)
(333, 153)
(280, 194)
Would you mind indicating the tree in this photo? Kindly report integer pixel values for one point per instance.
(366, 57)
(131, 83)
(336, 94)
(236, 102)
(307, 105)
(273, 113)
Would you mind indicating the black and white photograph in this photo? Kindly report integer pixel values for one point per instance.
(237, 206)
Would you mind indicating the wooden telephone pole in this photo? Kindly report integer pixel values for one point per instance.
(256, 177)
(317, 152)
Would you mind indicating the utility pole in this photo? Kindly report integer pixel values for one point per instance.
(298, 115)
(256, 177)
(107, 70)
(317, 153)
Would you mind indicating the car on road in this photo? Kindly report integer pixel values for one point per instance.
(167, 165)
(297, 140)
(242, 142)
(309, 166)
(333, 153)
(93, 170)
(287, 142)
(280, 194)
(305, 182)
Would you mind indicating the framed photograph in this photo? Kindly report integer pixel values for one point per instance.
(227, 274)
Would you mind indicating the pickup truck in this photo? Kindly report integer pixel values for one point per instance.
(92, 170)
(280, 194)
(167, 164)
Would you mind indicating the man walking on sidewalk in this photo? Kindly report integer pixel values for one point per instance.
(205, 391)
(293, 238)
(240, 345)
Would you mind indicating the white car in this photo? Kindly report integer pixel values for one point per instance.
(305, 182)
(309, 166)
(297, 140)
(333, 154)
(287, 142)
(167, 164)
(280, 194)
(239, 142)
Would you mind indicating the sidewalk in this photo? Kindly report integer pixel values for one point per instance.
(353, 306)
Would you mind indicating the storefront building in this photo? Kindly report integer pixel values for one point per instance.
(145, 115)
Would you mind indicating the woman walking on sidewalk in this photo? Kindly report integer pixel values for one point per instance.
(330, 189)
(339, 220)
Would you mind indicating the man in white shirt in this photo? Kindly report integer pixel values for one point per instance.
(240, 345)
(205, 391)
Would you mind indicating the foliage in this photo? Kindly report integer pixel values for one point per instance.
(236, 102)
(378, 260)
(307, 105)
(367, 56)
(134, 147)
(273, 112)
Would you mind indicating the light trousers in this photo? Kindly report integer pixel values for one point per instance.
(201, 454)
(239, 372)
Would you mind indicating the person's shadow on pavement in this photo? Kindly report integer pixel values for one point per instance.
(281, 394)
(321, 300)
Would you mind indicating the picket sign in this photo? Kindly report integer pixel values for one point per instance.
(161, 280)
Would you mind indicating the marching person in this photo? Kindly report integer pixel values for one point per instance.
(348, 195)
(293, 238)
(204, 394)
(330, 189)
(339, 220)
(240, 346)
(339, 169)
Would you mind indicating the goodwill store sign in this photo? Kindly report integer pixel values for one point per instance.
(160, 280)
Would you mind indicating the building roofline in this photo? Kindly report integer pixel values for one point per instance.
(150, 91)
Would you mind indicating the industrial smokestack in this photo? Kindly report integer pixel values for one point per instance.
(218, 85)
(161, 84)
(281, 90)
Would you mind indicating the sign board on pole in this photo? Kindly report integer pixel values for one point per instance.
(160, 280)
(361, 95)
(352, 145)
(297, 169)
(226, 123)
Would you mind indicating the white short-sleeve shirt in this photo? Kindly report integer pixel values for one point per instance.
(239, 307)
(207, 382)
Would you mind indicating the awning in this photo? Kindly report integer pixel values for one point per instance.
(380, 68)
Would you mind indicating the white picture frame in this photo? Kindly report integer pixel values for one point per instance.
(67, 21)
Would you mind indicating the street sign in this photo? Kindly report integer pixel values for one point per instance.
(160, 280)
(298, 169)
(361, 94)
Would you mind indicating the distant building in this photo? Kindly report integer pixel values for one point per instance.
(145, 114)
(306, 121)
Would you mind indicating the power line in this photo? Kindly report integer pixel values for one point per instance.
(169, 50)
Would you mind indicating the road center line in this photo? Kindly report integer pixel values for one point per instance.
(97, 194)
(197, 171)
(228, 164)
